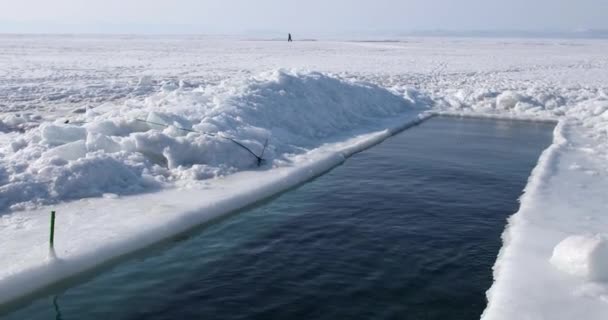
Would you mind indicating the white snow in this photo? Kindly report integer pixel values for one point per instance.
(120, 184)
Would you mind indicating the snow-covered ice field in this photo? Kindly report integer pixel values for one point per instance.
(120, 184)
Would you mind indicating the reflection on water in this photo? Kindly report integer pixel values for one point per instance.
(56, 305)
(406, 230)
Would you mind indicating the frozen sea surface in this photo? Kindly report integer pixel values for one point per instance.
(315, 103)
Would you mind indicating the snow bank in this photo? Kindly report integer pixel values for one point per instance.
(583, 255)
(186, 135)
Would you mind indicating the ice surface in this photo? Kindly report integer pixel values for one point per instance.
(120, 184)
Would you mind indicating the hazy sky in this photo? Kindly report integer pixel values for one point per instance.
(302, 16)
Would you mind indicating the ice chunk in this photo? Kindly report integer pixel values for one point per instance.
(18, 144)
(144, 85)
(100, 142)
(14, 120)
(160, 121)
(508, 100)
(79, 110)
(55, 135)
(96, 175)
(118, 127)
(21, 191)
(3, 176)
(145, 81)
(69, 151)
(583, 256)
(169, 85)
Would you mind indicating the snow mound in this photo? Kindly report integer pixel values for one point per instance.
(583, 255)
(176, 137)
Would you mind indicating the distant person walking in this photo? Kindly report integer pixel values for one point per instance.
(289, 37)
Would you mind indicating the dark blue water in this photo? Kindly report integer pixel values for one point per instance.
(409, 229)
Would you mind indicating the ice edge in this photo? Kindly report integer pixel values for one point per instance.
(537, 180)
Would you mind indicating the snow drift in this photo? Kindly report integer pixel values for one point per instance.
(109, 149)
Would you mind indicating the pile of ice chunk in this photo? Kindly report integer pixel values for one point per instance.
(16, 122)
(533, 101)
(177, 136)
